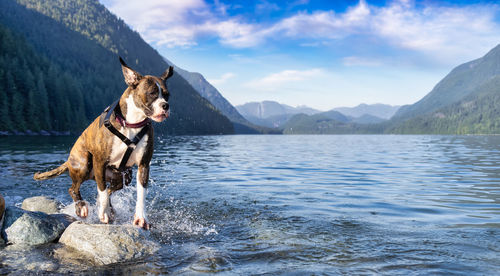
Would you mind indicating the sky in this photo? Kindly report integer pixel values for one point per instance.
(322, 54)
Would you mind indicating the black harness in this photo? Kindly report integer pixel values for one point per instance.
(131, 144)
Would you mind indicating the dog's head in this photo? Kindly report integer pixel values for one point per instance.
(149, 93)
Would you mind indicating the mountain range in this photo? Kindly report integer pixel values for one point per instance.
(465, 101)
(274, 114)
(382, 111)
(270, 113)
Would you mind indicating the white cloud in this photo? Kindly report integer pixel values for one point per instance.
(443, 32)
(232, 33)
(298, 3)
(440, 32)
(265, 7)
(325, 24)
(222, 79)
(286, 78)
(290, 75)
(361, 61)
(161, 22)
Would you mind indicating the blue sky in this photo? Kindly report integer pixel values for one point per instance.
(322, 54)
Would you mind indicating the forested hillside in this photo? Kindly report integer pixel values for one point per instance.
(32, 90)
(478, 113)
(466, 101)
(328, 123)
(76, 45)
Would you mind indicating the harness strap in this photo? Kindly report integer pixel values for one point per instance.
(131, 147)
(131, 144)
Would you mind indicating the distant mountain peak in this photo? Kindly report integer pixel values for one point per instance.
(378, 110)
(271, 113)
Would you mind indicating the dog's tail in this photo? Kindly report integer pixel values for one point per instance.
(53, 173)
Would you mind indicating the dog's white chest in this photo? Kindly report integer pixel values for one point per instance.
(119, 147)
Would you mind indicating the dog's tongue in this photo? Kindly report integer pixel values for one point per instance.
(161, 117)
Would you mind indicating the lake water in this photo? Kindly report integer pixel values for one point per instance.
(395, 205)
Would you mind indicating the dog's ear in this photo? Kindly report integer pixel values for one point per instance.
(167, 74)
(132, 78)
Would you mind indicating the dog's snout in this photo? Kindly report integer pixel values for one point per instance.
(165, 106)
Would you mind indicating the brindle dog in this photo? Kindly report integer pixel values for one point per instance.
(97, 153)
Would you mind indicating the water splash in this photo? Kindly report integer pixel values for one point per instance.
(172, 220)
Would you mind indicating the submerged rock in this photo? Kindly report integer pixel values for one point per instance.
(33, 228)
(41, 204)
(2, 209)
(106, 244)
(23, 260)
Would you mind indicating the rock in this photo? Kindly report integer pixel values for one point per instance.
(41, 204)
(28, 260)
(33, 228)
(107, 244)
(2, 209)
(2, 206)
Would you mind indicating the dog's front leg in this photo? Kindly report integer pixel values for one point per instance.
(142, 184)
(102, 191)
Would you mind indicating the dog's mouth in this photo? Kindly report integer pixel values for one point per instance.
(160, 117)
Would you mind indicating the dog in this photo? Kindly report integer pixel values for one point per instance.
(116, 141)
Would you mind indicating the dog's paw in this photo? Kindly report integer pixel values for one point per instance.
(104, 218)
(141, 222)
(81, 209)
(106, 215)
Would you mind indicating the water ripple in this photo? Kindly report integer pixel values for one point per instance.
(299, 205)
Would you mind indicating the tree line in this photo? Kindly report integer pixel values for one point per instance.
(33, 90)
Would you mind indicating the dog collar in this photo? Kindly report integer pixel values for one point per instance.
(124, 123)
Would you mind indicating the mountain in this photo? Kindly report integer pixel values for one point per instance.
(268, 109)
(477, 113)
(335, 115)
(77, 44)
(466, 101)
(271, 114)
(382, 111)
(459, 83)
(367, 119)
(327, 123)
(209, 92)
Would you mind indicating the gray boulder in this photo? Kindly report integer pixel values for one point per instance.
(41, 204)
(106, 244)
(2, 210)
(33, 228)
(2, 242)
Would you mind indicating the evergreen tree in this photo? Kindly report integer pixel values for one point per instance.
(5, 121)
(43, 103)
(32, 107)
(16, 102)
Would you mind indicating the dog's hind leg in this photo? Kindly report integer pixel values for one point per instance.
(79, 171)
(81, 208)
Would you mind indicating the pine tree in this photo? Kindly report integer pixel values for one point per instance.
(32, 111)
(43, 103)
(5, 121)
(16, 103)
